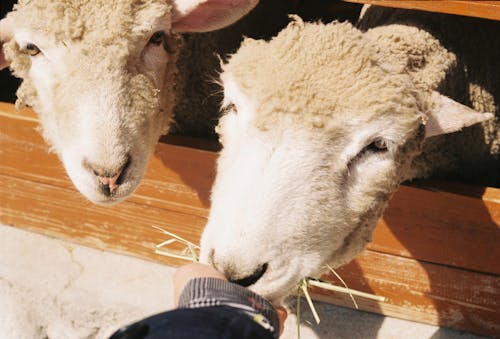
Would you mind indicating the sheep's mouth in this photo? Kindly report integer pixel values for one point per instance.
(252, 279)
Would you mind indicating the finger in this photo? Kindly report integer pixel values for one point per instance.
(190, 271)
(282, 315)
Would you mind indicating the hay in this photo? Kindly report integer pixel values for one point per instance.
(303, 286)
(190, 253)
(306, 282)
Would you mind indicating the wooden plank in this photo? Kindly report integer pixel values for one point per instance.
(62, 213)
(178, 179)
(442, 227)
(173, 180)
(420, 291)
(485, 193)
(415, 290)
(480, 9)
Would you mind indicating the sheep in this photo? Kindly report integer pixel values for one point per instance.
(107, 77)
(319, 136)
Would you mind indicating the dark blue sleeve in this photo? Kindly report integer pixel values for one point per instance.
(216, 322)
(210, 308)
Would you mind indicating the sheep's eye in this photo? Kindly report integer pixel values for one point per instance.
(32, 49)
(157, 38)
(231, 108)
(378, 145)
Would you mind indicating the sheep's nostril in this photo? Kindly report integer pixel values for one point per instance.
(252, 279)
(109, 180)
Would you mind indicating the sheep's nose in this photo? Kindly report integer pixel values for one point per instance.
(109, 179)
(251, 279)
(231, 270)
(112, 181)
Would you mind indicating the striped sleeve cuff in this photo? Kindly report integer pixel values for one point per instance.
(206, 292)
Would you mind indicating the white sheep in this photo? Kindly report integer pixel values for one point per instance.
(316, 140)
(104, 77)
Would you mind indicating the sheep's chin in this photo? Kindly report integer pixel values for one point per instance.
(276, 292)
(278, 284)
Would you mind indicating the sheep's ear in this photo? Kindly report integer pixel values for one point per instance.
(208, 15)
(448, 116)
(5, 36)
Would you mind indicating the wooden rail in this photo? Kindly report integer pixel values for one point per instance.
(434, 255)
(478, 8)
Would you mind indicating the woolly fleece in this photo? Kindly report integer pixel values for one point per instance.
(300, 65)
(104, 31)
(401, 42)
(460, 58)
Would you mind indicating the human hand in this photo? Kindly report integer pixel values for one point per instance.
(196, 270)
(190, 271)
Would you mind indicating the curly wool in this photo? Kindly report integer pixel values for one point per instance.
(101, 20)
(111, 26)
(106, 31)
(300, 65)
(418, 62)
(460, 58)
(104, 26)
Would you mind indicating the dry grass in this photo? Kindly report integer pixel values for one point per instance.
(191, 253)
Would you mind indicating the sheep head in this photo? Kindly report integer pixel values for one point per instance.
(316, 137)
(100, 74)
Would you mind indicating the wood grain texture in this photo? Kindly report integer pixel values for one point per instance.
(415, 225)
(421, 291)
(434, 255)
(477, 8)
(125, 228)
(442, 227)
(173, 180)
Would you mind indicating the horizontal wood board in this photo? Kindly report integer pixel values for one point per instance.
(423, 230)
(179, 179)
(421, 291)
(475, 8)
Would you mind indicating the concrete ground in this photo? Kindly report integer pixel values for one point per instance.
(54, 289)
